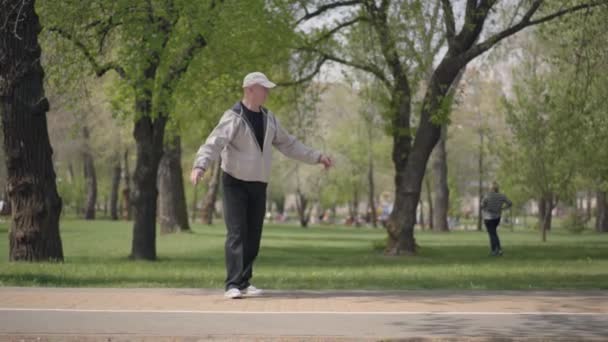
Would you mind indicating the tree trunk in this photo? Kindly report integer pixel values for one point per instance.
(440, 168)
(36, 205)
(149, 134)
(116, 171)
(90, 177)
(441, 192)
(372, 190)
(355, 206)
(280, 203)
(429, 199)
(411, 159)
(545, 209)
(193, 205)
(211, 196)
(401, 221)
(588, 206)
(70, 173)
(302, 205)
(172, 198)
(601, 221)
(105, 206)
(126, 191)
(480, 185)
(421, 214)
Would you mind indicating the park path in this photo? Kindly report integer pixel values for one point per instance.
(58, 314)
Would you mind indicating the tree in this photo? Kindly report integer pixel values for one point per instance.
(582, 92)
(36, 205)
(151, 47)
(387, 20)
(541, 153)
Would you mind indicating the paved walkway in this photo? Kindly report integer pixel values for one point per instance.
(58, 314)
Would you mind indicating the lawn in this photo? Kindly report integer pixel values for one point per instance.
(319, 258)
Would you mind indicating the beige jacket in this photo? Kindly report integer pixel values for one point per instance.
(233, 138)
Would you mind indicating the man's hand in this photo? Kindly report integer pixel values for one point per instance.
(196, 175)
(326, 161)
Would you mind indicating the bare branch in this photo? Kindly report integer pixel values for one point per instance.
(339, 27)
(373, 69)
(325, 8)
(100, 70)
(568, 10)
(307, 78)
(523, 23)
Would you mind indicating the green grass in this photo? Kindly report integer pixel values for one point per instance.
(319, 258)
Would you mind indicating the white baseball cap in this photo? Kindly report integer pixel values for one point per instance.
(257, 78)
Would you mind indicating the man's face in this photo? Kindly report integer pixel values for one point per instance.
(258, 93)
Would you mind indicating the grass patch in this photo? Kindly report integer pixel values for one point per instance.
(319, 258)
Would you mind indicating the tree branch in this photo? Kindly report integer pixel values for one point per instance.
(339, 27)
(523, 23)
(179, 68)
(450, 25)
(100, 70)
(373, 69)
(307, 78)
(105, 31)
(325, 8)
(475, 17)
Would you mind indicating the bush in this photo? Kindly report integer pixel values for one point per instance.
(574, 223)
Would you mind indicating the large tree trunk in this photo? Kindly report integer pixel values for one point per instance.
(400, 225)
(90, 178)
(601, 220)
(410, 161)
(116, 171)
(36, 206)
(441, 192)
(211, 196)
(126, 191)
(172, 198)
(149, 134)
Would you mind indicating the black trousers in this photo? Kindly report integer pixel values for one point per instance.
(244, 210)
(492, 227)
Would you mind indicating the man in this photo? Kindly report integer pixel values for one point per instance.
(244, 137)
(492, 205)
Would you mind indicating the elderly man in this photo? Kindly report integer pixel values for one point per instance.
(244, 137)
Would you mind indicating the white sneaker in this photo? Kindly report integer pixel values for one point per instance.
(252, 291)
(233, 293)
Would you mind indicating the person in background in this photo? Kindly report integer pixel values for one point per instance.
(492, 206)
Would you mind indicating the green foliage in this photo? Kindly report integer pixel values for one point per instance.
(574, 222)
(557, 118)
